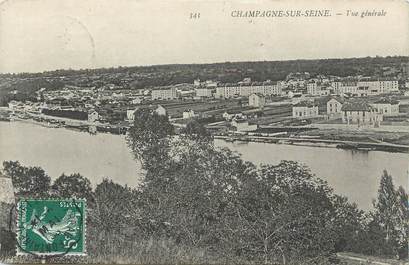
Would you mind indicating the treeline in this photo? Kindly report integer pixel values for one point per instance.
(25, 89)
(201, 204)
(342, 67)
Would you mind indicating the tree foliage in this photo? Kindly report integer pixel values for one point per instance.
(391, 215)
(196, 130)
(148, 136)
(27, 181)
(73, 186)
(115, 207)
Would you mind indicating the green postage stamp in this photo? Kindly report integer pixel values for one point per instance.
(51, 226)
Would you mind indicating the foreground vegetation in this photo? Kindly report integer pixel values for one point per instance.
(200, 204)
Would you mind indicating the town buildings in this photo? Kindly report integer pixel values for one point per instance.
(160, 110)
(266, 88)
(228, 91)
(204, 92)
(93, 116)
(305, 109)
(376, 87)
(243, 125)
(188, 114)
(365, 87)
(386, 106)
(313, 88)
(257, 100)
(334, 106)
(164, 93)
(130, 114)
(360, 113)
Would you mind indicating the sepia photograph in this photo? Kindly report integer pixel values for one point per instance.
(204, 132)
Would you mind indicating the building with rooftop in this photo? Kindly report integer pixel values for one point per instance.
(188, 114)
(305, 109)
(376, 87)
(313, 88)
(334, 105)
(266, 88)
(93, 116)
(386, 106)
(243, 125)
(203, 92)
(164, 93)
(257, 100)
(361, 113)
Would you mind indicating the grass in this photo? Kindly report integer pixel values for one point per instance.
(349, 258)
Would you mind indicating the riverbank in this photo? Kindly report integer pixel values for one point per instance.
(318, 142)
(71, 124)
(359, 135)
(363, 140)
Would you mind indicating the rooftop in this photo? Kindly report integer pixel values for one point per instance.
(387, 101)
(356, 106)
(305, 104)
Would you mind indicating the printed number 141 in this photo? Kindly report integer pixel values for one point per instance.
(194, 15)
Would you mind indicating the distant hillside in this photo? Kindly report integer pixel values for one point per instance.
(234, 71)
(137, 77)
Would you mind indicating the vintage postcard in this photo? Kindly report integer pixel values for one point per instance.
(204, 132)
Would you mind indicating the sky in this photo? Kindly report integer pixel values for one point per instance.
(39, 35)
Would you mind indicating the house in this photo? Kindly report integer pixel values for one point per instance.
(386, 106)
(257, 100)
(242, 125)
(15, 105)
(379, 86)
(228, 115)
(334, 106)
(164, 93)
(188, 114)
(137, 100)
(203, 92)
(313, 88)
(93, 116)
(361, 113)
(305, 109)
(160, 110)
(210, 83)
(130, 114)
(196, 82)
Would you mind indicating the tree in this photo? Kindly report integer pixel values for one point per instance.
(402, 227)
(73, 186)
(391, 213)
(349, 225)
(196, 130)
(148, 135)
(284, 215)
(115, 206)
(27, 181)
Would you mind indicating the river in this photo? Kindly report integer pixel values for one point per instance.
(355, 174)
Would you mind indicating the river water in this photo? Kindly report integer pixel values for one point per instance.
(58, 150)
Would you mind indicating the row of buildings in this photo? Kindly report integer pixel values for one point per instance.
(365, 87)
(315, 87)
(350, 111)
(267, 88)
